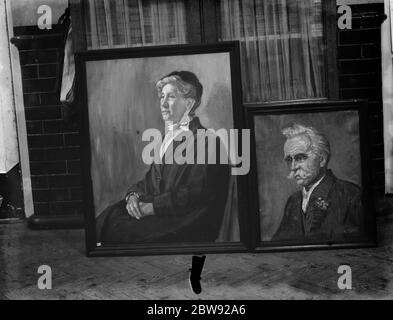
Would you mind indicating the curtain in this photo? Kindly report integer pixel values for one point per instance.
(128, 23)
(282, 47)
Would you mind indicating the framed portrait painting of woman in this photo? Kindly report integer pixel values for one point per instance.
(158, 126)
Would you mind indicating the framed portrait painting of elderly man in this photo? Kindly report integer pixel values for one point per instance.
(311, 175)
(158, 170)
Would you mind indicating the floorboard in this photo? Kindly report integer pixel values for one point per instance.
(284, 275)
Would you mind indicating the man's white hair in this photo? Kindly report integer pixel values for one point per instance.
(318, 142)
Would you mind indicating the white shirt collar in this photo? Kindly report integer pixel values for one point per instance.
(183, 124)
(307, 194)
(172, 131)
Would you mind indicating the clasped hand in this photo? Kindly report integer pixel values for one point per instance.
(138, 209)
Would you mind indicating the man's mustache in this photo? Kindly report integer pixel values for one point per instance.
(291, 175)
(302, 175)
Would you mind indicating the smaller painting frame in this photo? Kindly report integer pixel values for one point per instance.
(304, 107)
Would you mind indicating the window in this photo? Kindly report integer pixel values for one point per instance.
(287, 46)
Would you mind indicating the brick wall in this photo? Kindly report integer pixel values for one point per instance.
(359, 61)
(53, 142)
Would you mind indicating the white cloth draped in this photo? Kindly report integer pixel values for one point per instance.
(68, 76)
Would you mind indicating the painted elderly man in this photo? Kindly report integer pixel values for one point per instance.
(326, 208)
(174, 202)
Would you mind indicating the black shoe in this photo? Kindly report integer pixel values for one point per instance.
(195, 275)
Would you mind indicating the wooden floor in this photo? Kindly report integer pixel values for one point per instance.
(289, 275)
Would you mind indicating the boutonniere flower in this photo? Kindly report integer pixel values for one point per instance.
(322, 204)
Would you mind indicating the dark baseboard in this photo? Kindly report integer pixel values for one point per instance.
(55, 222)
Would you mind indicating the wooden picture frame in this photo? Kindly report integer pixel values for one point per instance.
(277, 205)
(115, 90)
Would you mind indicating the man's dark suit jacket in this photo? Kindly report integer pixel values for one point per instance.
(188, 201)
(334, 213)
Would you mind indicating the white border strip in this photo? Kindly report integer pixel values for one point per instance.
(20, 117)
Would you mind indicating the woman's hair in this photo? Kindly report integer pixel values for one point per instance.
(186, 82)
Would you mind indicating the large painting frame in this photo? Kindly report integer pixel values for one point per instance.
(311, 107)
(95, 248)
